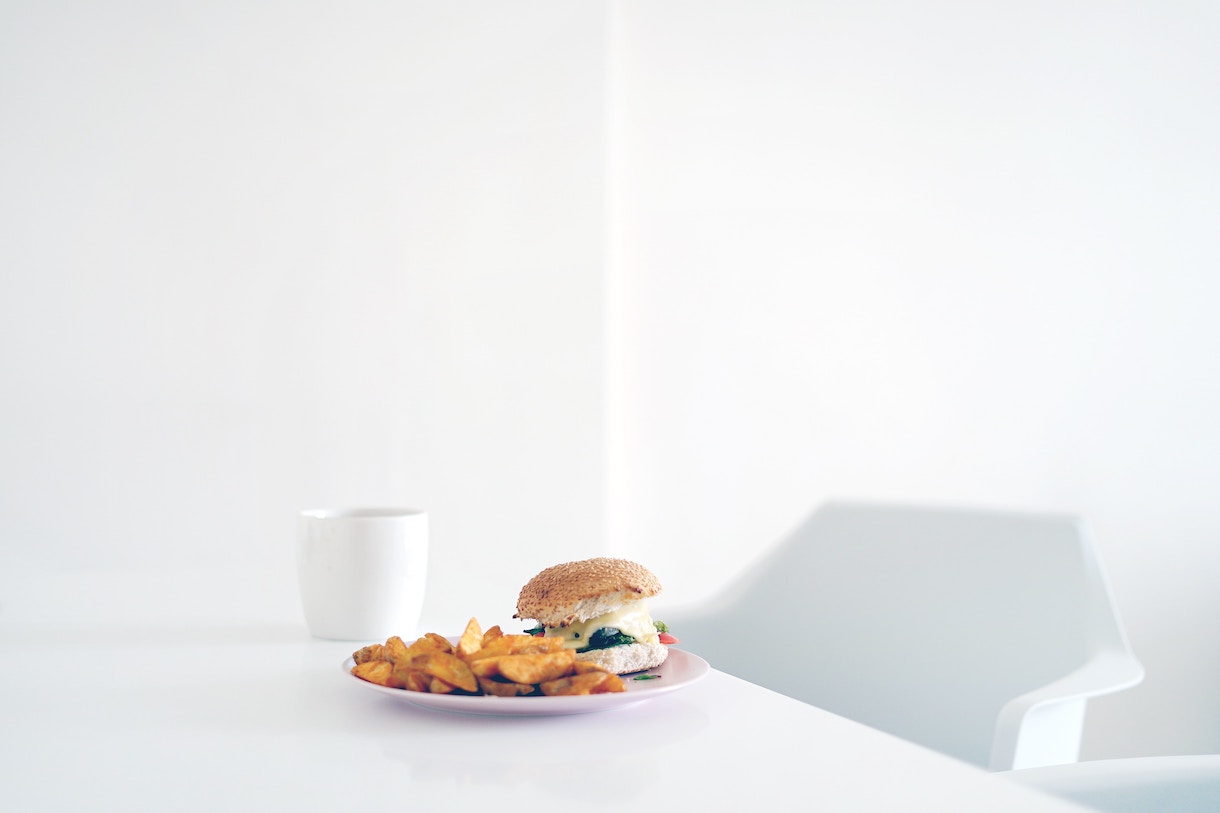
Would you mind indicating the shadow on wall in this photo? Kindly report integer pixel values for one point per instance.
(980, 634)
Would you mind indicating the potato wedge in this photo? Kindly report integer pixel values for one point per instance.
(439, 641)
(490, 650)
(537, 668)
(438, 686)
(378, 672)
(447, 667)
(518, 645)
(492, 634)
(395, 650)
(421, 646)
(486, 667)
(587, 683)
(413, 680)
(505, 688)
(471, 640)
(372, 652)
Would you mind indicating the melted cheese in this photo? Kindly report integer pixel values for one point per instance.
(632, 619)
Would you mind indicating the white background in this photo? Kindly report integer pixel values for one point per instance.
(652, 279)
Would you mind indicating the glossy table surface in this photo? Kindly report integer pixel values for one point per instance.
(159, 691)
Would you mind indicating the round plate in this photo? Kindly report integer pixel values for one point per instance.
(680, 670)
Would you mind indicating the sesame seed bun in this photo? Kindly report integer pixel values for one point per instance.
(577, 591)
(622, 660)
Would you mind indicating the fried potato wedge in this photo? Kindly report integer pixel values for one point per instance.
(493, 648)
(447, 667)
(518, 645)
(471, 640)
(505, 688)
(438, 686)
(413, 680)
(486, 667)
(492, 634)
(395, 650)
(439, 641)
(537, 668)
(599, 682)
(378, 672)
(372, 652)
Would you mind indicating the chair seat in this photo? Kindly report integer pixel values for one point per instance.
(1161, 784)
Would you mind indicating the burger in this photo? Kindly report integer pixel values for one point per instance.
(597, 606)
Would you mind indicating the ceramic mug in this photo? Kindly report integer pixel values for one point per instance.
(362, 571)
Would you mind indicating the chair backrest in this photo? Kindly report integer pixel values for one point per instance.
(1161, 784)
(919, 621)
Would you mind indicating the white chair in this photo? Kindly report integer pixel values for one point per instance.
(1164, 784)
(980, 634)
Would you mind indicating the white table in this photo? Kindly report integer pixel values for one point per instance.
(147, 691)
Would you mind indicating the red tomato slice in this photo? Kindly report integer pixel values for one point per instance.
(666, 638)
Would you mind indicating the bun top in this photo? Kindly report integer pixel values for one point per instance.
(578, 591)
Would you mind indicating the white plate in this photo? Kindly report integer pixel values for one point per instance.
(680, 670)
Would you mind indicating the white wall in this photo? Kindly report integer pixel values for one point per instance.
(262, 256)
(938, 251)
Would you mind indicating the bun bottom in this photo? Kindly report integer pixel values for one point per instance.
(622, 660)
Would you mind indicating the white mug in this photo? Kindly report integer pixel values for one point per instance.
(362, 571)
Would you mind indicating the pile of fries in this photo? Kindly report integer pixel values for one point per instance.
(487, 663)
